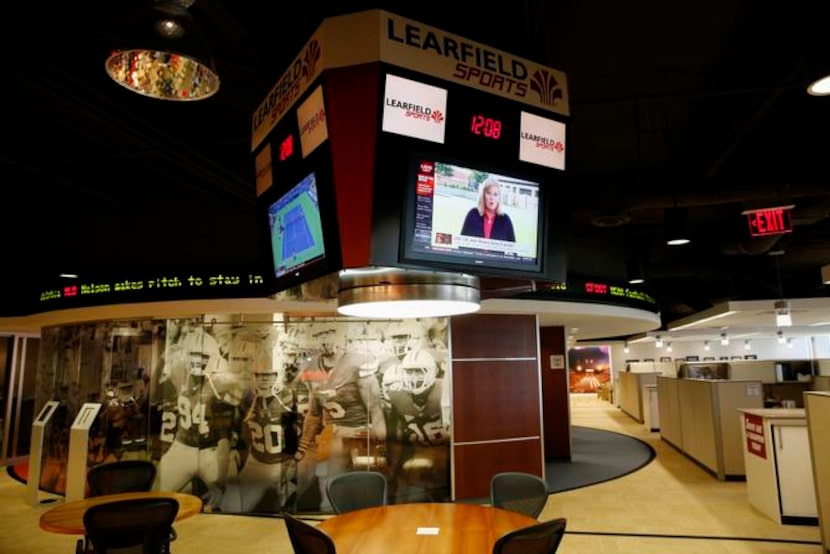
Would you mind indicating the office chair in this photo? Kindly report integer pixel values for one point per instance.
(542, 538)
(519, 492)
(142, 525)
(355, 490)
(306, 538)
(121, 476)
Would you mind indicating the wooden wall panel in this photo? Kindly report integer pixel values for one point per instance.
(482, 461)
(497, 420)
(556, 414)
(494, 400)
(494, 336)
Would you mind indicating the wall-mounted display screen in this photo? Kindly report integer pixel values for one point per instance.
(466, 215)
(296, 228)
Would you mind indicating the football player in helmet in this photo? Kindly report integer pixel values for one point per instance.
(267, 481)
(345, 405)
(418, 448)
(403, 336)
(204, 419)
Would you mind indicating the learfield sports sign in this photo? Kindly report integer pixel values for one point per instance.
(377, 35)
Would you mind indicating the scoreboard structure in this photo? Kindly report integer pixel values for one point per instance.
(376, 143)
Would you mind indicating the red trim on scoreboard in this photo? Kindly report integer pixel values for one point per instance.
(770, 221)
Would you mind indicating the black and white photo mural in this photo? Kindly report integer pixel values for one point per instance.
(256, 417)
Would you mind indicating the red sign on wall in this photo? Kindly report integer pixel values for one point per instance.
(771, 221)
(754, 431)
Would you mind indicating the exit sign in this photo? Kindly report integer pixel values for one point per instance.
(770, 221)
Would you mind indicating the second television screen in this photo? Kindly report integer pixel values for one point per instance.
(469, 216)
(296, 228)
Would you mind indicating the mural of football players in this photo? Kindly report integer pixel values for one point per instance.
(345, 416)
(267, 480)
(418, 429)
(205, 419)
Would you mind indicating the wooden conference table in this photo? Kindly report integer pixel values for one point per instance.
(434, 528)
(68, 518)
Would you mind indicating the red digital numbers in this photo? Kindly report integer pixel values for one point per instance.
(486, 126)
(286, 147)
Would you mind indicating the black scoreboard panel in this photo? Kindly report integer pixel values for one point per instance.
(296, 215)
(426, 181)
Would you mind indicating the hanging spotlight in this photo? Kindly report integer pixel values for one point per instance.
(747, 345)
(165, 56)
(676, 222)
(724, 340)
(668, 346)
(658, 341)
(819, 87)
(706, 345)
(626, 349)
(789, 343)
(392, 293)
(634, 271)
(783, 316)
(780, 335)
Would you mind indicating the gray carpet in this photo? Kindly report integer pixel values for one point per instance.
(597, 456)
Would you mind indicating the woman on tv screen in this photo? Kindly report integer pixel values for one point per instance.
(487, 219)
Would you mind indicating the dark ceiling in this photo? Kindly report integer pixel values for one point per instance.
(699, 104)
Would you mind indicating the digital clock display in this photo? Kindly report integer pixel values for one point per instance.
(486, 126)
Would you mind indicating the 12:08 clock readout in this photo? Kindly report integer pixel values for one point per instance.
(485, 126)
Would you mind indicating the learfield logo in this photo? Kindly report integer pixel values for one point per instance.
(547, 87)
(542, 141)
(288, 89)
(476, 64)
(414, 109)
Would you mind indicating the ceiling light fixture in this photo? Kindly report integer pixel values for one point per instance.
(747, 345)
(393, 293)
(668, 346)
(167, 57)
(676, 221)
(626, 349)
(819, 87)
(706, 346)
(783, 316)
(658, 341)
(634, 271)
(780, 335)
(789, 343)
(724, 340)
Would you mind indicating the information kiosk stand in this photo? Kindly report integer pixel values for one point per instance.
(36, 452)
(78, 450)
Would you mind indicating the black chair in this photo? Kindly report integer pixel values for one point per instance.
(355, 490)
(121, 476)
(140, 525)
(542, 538)
(519, 492)
(306, 538)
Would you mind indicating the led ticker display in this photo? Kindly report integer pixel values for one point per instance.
(769, 221)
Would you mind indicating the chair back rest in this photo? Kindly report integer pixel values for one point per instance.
(519, 492)
(121, 476)
(306, 538)
(355, 490)
(542, 538)
(141, 523)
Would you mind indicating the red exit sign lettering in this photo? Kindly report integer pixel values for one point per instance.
(770, 221)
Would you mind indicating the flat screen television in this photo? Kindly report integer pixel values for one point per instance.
(295, 227)
(443, 223)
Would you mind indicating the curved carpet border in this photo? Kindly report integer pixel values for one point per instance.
(597, 456)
